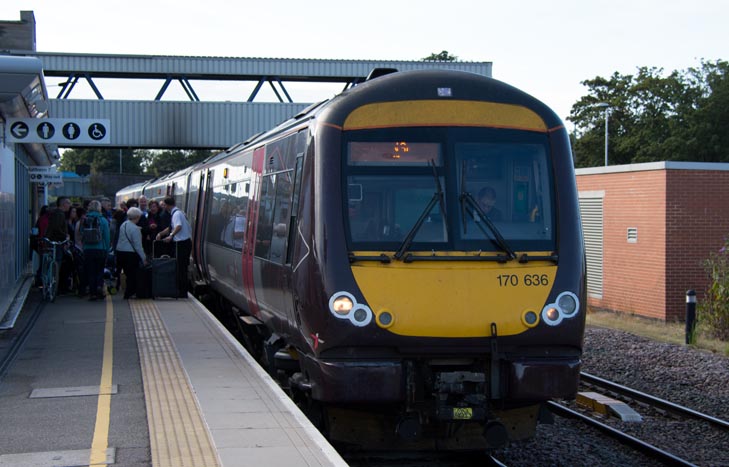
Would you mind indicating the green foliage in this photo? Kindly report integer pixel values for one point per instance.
(164, 162)
(135, 162)
(655, 117)
(102, 160)
(444, 56)
(713, 311)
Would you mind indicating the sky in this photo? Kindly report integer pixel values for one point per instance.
(546, 48)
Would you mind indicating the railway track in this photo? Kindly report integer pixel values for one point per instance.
(652, 401)
(420, 459)
(657, 408)
(647, 449)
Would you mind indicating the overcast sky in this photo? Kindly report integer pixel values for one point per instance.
(543, 47)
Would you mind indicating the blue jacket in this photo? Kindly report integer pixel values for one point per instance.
(105, 237)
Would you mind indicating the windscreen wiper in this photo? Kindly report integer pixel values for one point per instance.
(438, 197)
(466, 197)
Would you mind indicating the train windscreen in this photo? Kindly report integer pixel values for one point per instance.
(460, 193)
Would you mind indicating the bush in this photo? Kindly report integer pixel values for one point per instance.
(713, 311)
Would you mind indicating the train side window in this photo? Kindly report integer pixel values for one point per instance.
(264, 228)
(281, 218)
(294, 207)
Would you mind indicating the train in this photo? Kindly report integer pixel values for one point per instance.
(406, 258)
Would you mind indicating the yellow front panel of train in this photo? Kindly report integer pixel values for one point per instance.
(459, 299)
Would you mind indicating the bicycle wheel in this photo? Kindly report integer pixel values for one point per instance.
(53, 280)
(46, 276)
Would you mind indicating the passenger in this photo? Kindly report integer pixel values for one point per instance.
(58, 232)
(130, 251)
(63, 203)
(143, 205)
(95, 254)
(41, 224)
(143, 223)
(106, 209)
(487, 201)
(153, 219)
(181, 233)
(78, 252)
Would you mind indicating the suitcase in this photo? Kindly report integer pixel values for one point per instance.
(164, 276)
(144, 282)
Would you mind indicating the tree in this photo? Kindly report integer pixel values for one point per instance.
(102, 160)
(653, 116)
(164, 162)
(444, 56)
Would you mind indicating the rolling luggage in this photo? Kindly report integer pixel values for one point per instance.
(164, 276)
(144, 281)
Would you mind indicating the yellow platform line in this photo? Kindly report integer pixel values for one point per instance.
(100, 442)
(178, 435)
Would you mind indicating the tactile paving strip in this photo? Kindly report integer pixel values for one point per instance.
(178, 434)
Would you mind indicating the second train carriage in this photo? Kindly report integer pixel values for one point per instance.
(351, 243)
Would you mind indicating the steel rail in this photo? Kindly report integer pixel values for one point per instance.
(624, 438)
(652, 400)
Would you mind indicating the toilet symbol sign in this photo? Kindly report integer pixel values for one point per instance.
(45, 131)
(71, 131)
(62, 131)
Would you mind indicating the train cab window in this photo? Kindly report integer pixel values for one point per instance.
(510, 184)
(385, 209)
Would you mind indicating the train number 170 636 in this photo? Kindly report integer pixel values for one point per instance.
(529, 280)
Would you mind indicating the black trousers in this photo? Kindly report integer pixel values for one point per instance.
(128, 262)
(94, 265)
(183, 249)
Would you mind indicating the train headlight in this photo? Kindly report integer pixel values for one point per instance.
(551, 315)
(567, 302)
(565, 306)
(385, 319)
(341, 303)
(530, 318)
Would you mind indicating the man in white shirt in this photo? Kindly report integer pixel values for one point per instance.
(181, 233)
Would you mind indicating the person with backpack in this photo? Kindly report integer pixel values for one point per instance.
(96, 240)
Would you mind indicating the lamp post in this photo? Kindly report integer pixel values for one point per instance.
(605, 106)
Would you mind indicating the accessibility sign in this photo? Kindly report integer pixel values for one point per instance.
(62, 131)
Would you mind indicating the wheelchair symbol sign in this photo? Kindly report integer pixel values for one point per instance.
(97, 131)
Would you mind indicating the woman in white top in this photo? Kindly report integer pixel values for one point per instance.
(129, 250)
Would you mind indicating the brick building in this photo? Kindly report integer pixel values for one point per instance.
(648, 227)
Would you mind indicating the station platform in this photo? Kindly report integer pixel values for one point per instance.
(142, 383)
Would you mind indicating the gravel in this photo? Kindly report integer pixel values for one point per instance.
(686, 376)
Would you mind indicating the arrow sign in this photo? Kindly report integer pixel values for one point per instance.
(19, 130)
(61, 131)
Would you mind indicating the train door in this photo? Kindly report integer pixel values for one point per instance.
(204, 194)
(289, 299)
(249, 244)
(272, 265)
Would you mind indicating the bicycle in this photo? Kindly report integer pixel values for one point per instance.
(50, 267)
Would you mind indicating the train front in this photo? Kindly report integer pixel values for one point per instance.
(449, 246)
